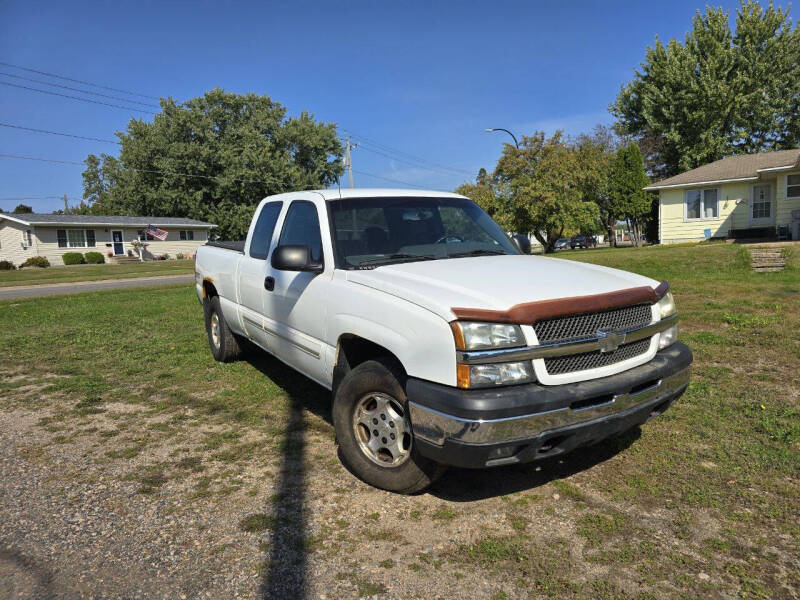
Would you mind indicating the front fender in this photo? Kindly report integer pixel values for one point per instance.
(421, 340)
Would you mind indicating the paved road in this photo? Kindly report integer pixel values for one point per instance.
(33, 291)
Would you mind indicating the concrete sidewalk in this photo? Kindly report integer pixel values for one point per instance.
(51, 289)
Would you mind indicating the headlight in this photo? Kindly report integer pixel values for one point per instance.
(475, 376)
(486, 336)
(667, 305)
(668, 337)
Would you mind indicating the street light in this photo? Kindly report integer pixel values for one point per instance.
(516, 143)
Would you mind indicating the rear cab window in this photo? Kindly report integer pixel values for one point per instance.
(265, 227)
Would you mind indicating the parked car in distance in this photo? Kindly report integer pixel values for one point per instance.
(561, 244)
(583, 241)
(440, 342)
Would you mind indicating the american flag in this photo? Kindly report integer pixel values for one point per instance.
(156, 232)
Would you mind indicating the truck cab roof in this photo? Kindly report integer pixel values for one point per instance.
(345, 193)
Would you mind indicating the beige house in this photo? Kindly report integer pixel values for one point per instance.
(747, 196)
(25, 235)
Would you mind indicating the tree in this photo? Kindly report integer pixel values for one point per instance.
(536, 188)
(23, 208)
(718, 93)
(596, 152)
(629, 200)
(212, 158)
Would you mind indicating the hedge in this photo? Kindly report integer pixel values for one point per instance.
(73, 258)
(94, 258)
(7, 265)
(36, 261)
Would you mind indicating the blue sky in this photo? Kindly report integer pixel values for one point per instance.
(424, 78)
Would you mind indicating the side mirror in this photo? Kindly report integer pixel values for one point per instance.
(295, 258)
(522, 242)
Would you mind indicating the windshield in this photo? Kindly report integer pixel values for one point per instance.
(368, 232)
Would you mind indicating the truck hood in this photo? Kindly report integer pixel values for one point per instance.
(493, 282)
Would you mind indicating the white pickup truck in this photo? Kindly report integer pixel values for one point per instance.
(442, 343)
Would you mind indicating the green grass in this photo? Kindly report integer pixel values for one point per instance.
(711, 486)
(33, 276)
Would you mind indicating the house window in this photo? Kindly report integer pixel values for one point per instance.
(75, 238)
(140, 236)
(793, 186)
(702, 204)
(761, 203)
(27, 238)
(187, 234)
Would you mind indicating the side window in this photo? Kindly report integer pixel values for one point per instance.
(262, 234)
(301, 227)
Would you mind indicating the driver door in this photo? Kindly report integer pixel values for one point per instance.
(295, 307)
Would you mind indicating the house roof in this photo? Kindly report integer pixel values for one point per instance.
(744, 167)
(103, 220)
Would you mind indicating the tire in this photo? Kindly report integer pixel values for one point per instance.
(373, 393)
(223, 343)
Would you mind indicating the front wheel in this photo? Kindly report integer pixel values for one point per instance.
(370, 415)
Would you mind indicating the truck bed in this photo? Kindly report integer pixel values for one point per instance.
(228, 245)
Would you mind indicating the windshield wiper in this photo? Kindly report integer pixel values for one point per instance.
(479, 252)
(397, 256)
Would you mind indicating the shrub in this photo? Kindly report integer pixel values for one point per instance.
(163, 257)
(179, 256)
(94, 258)
(36, 261)
(7, 265)
(73, 258)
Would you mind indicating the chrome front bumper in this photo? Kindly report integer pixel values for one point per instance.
(437, 427)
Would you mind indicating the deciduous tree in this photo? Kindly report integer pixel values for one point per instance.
(717, 93)
(537, 189)
(628, 198)
(213, 158)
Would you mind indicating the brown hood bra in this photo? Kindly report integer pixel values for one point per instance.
(530, 312)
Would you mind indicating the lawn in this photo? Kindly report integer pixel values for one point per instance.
(701, 502)
(36, 276)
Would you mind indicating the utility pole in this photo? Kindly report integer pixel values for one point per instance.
(348, 158)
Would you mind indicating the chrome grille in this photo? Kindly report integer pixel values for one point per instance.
(592, 360)
(586, 325)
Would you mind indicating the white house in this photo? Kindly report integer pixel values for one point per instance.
(24, 235)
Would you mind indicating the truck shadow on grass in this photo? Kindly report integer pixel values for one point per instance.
(469, 485)
(284, 574)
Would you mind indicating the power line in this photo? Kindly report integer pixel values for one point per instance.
(408, 162)
(72, 135)
(420, 159)
(177, 174)
(156, 171)
(25, 87)
(74, 89)
(413, 185)
(29, 198)
(50, 160)
(105, 87)
(377, 147)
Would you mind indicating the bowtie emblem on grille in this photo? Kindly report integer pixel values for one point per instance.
(608, 341)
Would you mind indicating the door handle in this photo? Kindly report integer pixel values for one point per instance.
(269, 283)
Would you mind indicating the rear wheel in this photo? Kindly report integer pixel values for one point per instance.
(223, 343)
(370, 415)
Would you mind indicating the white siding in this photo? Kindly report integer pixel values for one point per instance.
(48, 242)
(11, 242)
